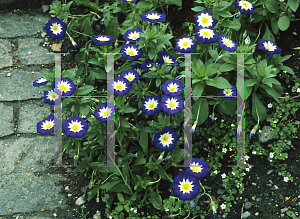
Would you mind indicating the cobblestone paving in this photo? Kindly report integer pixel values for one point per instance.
(28, 189)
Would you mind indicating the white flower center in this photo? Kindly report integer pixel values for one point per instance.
(151, 104)
(195, 167)
(119, 85)
(105, 112)
(102, 38)
(185, 43)
(172, 103)
(167, 60)
(227, 91)
(131, 51)
(56, 28)
(173, 87)
(51, 95)
(134, 35)
(130, 76)
(153, 16)
(206, 33)
(269, 46)
(166, 139)
(227, 42)
(205, 20)
(41, 80)
(186, 186)
(245, 5)
(48, 124)
(75, 126)
(64, 86)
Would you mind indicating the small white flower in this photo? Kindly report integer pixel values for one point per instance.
(131, 209)
(271, 155)
(260, 131)
(216, 172)
(224, 150)
(232, 125)
(110, 217)
(270, 160)
(281, 0)
(54, 215)
(298, 90)
(253, 152)
(135, 211)
(223, 206)
(247, 169)
(209, 139)
(166, 209)
(222, 120)
(233, 173)
(247, 157)
(247, 40)
(223, 175)
(286, 179)
(275, 122)
(270, 105)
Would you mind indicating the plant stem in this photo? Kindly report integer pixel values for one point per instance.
(160, 167)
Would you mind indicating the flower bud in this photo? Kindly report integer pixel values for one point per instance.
(247, 40)
(244, 34)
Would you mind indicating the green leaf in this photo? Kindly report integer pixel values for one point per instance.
(112, 28)
(272, 80)
(284, 58)
(268, 34)
(218, 82)
(110, 184)
(98, 73)
(225, 5)
(235, 24)
(271, 92)
(152, 53)
(144, 141)
(228, 107)
(293, 4)
(124, 122)
(250, 82)
(70, 73)
(198, 8)
(227, 67)
(84, 110)
(274, 25)
(174, 2)
(214, 54)
(288, 69)
(120, 197)
(129, 110)
(158, 82)
(247, 93)
(258, 108)
(249, 61)
(94, 61)
(224, 13)
(271, 5)
(198, 90)
(155, 199)
(283, 23)
(87, 26)
(47, 77)
(84, 90)
(202, 105)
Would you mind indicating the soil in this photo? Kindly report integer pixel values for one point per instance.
(267, 201)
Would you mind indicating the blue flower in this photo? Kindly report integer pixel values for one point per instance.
(66, 86)
(205, 20)
(129, 1)
(185, 187)
(75, 127)
(103, 39)
(226, 43)
(166, 139)
(153, 17)
(131, 51)
(171, 105)
(151, 105)
(172, 87)
(185, 45)
(206, 36)
(245, 7)
(120, 86)
(159, 63)
(133, 35)
(196, 167)
(268, 47)
(167, 58)
(50, 96)
(131, 75)
(148, 64)
(55, 28)
(39, 82)
(104, 113)
(138, 68)
(46, 126)
(228, 92)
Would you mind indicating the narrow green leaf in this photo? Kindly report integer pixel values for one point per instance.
(258, 108)
(214, 54)
(144, 141)
(202, 105)
(84, 90)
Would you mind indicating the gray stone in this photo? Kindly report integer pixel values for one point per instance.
(31, 53)
(246, 214)
(6, 120)
(30, 115)
(15, 25)
(248, 205)
(20, 85)
(5, 53)
(266, 134)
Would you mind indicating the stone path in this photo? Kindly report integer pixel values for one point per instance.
(28, 189)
